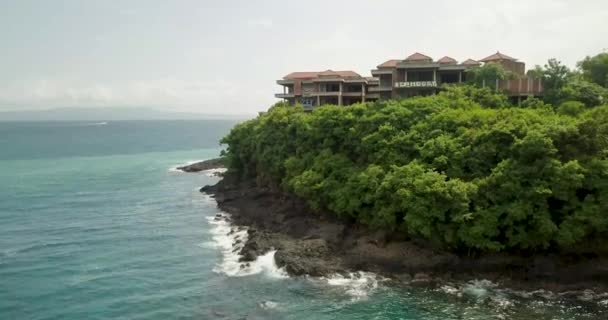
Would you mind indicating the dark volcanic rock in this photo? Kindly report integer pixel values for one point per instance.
(203, 165)
(318, 244)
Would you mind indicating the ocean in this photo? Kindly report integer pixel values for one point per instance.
(96, 223)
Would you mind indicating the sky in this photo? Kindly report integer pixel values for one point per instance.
(224, 57)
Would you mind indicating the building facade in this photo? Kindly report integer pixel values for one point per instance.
(326, 87)
(416, 75)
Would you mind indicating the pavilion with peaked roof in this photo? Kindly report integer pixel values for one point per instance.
(497, 57)
(471, 62)
(509, 63)
(417, 56)
(447, 60)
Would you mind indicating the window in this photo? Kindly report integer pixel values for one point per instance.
(332, 87)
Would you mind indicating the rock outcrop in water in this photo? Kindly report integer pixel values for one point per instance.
(317, 244)
(203, 165)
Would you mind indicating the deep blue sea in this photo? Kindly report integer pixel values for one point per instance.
(96, 224)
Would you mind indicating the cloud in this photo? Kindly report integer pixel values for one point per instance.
(178, 95)
(260, 23)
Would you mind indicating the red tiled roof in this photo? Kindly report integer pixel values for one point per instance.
(418, 56)
(389, 63)
(497, 56)
(308, 75)
(301, 75)
(340, 74)
(447, 60)
(471, 62)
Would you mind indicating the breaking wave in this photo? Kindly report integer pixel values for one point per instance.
(214, 172)
(230, 240)
(358, 285)
(510, 301)
(175, 168)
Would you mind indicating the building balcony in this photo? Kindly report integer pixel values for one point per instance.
(284, 95)
(377, 72)
(379, 89)
(325, 93)
(352, 94)
(285, 82)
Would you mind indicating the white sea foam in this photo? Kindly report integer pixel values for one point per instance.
(269, 305)
(94, 124)
(490, 293)
(214, 172)
(175, 168)
(230, 241)
(358, 285)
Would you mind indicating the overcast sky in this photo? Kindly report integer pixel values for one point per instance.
(223, 57)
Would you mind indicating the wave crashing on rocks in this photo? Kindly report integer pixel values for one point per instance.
(230, 240)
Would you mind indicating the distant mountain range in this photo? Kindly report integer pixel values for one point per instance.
(101, 114)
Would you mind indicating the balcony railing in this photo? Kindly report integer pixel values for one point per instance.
(380, 89)
(284, 95)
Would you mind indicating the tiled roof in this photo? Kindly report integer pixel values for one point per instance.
(471, 62)
(389, 63)
(307, 75)
(418, 56)
(301, 75)
(497, 56)
(339, 74)
(447, 60)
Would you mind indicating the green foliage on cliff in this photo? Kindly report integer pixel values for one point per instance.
(461, 169)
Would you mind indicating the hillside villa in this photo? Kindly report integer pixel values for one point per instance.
(416, 75)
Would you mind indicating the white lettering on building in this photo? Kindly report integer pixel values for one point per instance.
(415, 84)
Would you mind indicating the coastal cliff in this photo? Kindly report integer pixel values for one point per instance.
(317, 244)
(462, 184)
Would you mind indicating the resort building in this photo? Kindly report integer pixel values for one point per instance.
(326, 87)
(416, 75)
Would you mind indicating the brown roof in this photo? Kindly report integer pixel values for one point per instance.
(447, 60)
(389, 63)
(301, 75)
(471, 62)
(416, 56)
(339, 74)
(308, 75)
(497, 56)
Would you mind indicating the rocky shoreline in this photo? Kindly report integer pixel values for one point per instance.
(320, 245)
(216, 163)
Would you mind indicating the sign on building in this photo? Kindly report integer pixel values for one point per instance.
(415, 84)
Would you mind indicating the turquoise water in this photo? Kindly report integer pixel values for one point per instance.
(95, 224)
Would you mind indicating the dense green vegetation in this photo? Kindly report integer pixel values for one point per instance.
(462, 169)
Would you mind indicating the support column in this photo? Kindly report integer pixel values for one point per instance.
(284, 89)
(496, 88)
(460, 77)
(393, 81)
(340, 95)
(318, 100)
(519, 88)
(363, 92)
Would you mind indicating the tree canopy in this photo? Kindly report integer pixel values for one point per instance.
(462, 169)
(595, 69)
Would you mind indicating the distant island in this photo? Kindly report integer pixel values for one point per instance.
(110, 114)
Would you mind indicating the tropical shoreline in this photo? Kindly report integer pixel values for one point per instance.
(320, 245)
